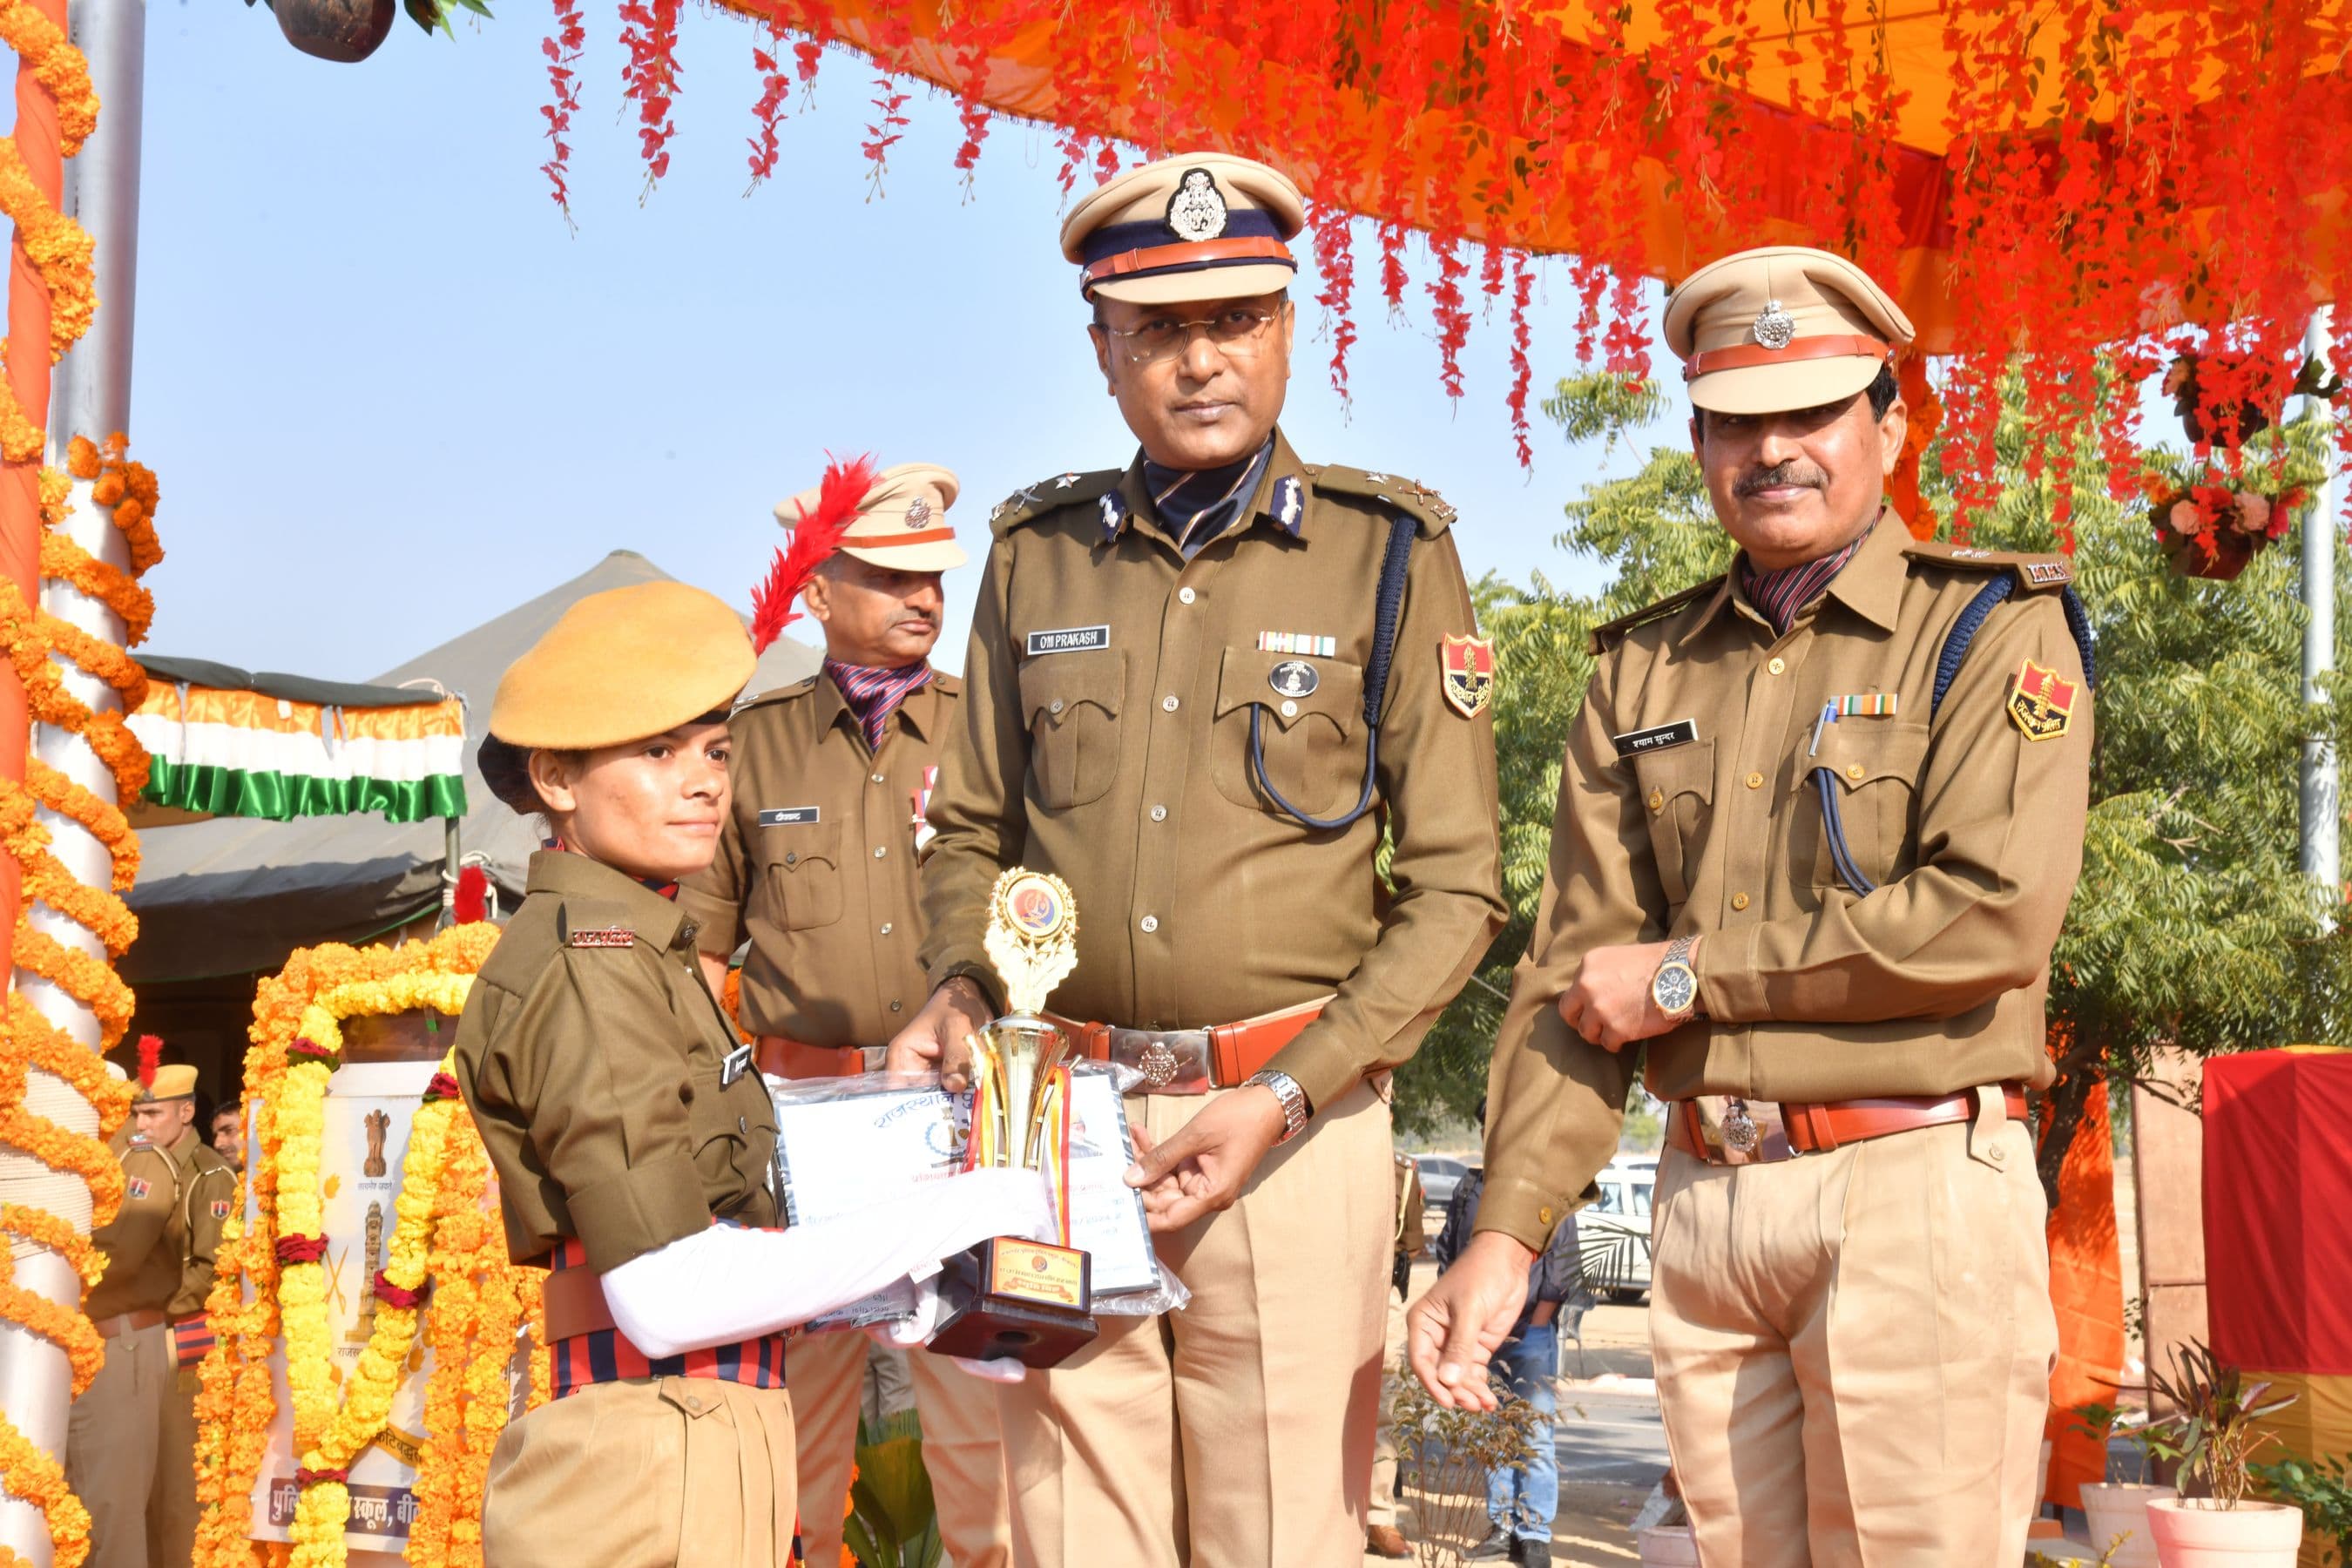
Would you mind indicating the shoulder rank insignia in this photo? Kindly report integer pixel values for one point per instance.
(220, 1208)
(1610, 633)
(1469, 670)
(137, 1186)
(1033, 501)
(604, 936)
(2042, 702)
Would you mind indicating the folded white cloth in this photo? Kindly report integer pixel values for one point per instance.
(727, 1284)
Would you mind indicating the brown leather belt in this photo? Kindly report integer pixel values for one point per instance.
(571, 1301)
(1194, 1062)
(780, 1057)
(123, 1323)
(1818, 1127)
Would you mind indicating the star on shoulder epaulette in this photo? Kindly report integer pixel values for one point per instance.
(1607, 636)
(1427, 507)
(2035, 573)
(800, 688)
(1034, 502)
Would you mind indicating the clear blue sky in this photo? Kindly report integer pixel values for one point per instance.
(390, 394)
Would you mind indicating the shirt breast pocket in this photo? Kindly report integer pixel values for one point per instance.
(1873, 766)
(1310, 718)
(1677, 788)
(1071, 703)
(727, 1130)
(804, 866)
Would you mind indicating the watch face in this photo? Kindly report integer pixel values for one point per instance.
(1675, 990)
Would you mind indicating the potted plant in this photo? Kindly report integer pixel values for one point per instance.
(2322, 1489)
(2214, 531)
(2212, 1430)
(2117, 1510)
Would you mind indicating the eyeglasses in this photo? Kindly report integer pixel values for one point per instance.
(1238, 332)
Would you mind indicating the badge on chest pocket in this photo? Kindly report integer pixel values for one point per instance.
(737, 1063)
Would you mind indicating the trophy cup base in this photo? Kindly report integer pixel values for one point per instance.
(1027, 1301)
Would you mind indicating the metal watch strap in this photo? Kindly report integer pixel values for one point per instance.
(1294, 1100)
(1679, 950)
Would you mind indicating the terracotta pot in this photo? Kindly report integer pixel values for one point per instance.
(2194, 1532)
(1669, 1546)
(344, 30)
(2227, 555)
(2117, 1509)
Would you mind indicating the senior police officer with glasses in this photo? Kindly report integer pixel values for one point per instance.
(1819, 822)
(1197, 690)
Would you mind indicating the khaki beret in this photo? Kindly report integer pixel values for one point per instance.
(1780, 328)
(902, 523)
(1204, 225)
(622, 664)
(175, 1082)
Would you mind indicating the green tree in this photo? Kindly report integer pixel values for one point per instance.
(2191, 925)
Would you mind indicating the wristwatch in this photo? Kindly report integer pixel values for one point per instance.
(1294, 1100)
(1674, 988)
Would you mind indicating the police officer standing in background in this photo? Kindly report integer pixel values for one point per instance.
(130, 1444)
(816, 870)
(1197, 690)
(1819, 822)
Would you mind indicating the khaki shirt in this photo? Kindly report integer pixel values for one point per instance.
(207, 1193)
(1933, 984)
(592, 1056)
(143, 1242)
(1121, 764)
(816, 865)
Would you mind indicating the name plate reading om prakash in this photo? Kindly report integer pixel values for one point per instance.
(1032, 1300)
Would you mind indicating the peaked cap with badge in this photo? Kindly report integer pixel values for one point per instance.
(1781, 327)
(1200, 226)
(901, 520)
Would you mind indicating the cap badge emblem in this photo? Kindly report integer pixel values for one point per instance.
(1197, 211)
(919, 512)
(1775, 328)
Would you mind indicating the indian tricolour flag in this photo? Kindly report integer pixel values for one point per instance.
(234, 752)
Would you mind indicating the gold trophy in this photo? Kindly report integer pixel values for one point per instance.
(1030, 1300)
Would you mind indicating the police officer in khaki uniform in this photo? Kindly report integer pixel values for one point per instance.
(1196, 690)
(131, 1443)
(634, 1142)
(1819, 823)
(816, 869)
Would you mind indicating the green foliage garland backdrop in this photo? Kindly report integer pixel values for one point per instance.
(2191, 924)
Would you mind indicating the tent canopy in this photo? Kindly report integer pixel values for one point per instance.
(232, 897)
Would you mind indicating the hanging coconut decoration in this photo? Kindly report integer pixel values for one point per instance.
(348, 31)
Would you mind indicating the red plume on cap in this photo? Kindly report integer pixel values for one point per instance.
(473, 900)
(150, 1053)
(817, 536)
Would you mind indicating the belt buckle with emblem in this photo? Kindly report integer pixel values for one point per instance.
(1740, 1134)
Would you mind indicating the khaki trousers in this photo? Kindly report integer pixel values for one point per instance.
(1854, 1349)
(644, 1473)
(1382, 1507)
(963, 1448)
(171, 1509)
(1236, 1433)
(113, 1439)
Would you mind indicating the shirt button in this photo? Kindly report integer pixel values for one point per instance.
(1855, 772)
(880, 850)
(1185, 596)
(1149, 922)
(1169, 702)
(1755, 781)
(694, 1402)
(1996, 1154)
(742, 1124)
(1738, 900)
(878, 778)
(1657, 800)
(1055, 706)
(894, 1006)
(885, 928)
(792, 858)
(1159, 813)
(1290, 709)
(1777, 666)
(1543, 1214)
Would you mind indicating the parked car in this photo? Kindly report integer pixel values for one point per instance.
(1614, 1233)
(1439, 1174)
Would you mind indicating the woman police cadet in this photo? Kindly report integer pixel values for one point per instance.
(634, 1146)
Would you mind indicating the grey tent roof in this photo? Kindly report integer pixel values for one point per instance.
(230, 897)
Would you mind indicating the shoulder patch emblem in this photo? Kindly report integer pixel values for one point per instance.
(220, 1208)
(137, 1186)
(604, 936)
(2041, 703)
(1467, 666)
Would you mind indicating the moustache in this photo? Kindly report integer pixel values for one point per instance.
(1791, 472)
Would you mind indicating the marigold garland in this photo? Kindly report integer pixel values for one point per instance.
(446, 1275)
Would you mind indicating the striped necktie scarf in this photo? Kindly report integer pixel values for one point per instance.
(873, 695)
(1780, 595)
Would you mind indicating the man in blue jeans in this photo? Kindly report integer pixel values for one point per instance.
(1522, 1502)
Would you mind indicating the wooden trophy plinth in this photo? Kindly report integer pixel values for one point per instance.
(1029, 1301)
